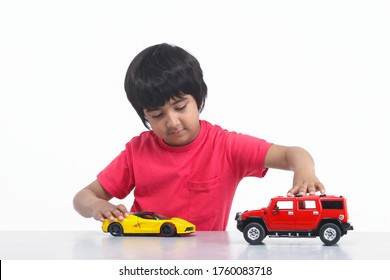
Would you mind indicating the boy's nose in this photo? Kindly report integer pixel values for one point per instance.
(172, 121)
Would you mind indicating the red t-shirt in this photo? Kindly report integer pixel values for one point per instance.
(195, 182)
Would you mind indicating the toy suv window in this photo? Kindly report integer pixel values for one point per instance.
(307, 204)
(332, 204)
(284, 205)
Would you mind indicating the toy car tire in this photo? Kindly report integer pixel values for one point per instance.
(254, 233)
(168, 230)
(330, 234)
(116, 229)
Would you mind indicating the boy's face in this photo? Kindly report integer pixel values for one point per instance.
(177, 122)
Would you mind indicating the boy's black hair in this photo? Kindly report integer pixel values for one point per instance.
(161, 72)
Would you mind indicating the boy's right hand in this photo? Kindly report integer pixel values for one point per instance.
(105, 210)
(92, 201)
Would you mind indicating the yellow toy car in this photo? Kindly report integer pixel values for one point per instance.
(144, 223)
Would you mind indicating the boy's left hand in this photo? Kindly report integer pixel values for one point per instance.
(301, 163)
(305, 182)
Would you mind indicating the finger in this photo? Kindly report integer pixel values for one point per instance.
(99, 217)
(291, 192)
(118, 214)
(108, 215)
(297, 190)
(320, 187)
(302, 190)
(123, 209)
(311, 189)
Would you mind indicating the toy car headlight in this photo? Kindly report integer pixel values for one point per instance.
(341, 217)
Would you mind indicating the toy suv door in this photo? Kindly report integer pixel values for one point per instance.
(282, 216)
(307, 214)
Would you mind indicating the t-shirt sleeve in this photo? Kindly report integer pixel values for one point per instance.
(246, 155)
(118, 177)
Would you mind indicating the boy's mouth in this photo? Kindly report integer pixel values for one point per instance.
(176, 133)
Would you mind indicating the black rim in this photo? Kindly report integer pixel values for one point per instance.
(167, 230)
(116, 229)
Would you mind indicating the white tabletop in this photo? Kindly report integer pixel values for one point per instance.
(96, 245)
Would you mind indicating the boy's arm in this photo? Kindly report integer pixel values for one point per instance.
(92, 201)
(301, 163)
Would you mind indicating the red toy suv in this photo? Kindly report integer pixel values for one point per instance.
(301, 216)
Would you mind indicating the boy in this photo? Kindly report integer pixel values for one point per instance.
(184, 167)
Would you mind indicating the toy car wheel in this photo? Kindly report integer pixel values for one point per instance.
(116, 229)
(330, 234)
(254, 233)
(168, 230)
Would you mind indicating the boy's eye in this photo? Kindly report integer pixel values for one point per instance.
(181, 108)
(156, 116)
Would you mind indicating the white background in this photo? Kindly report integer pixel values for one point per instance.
(308, 73)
